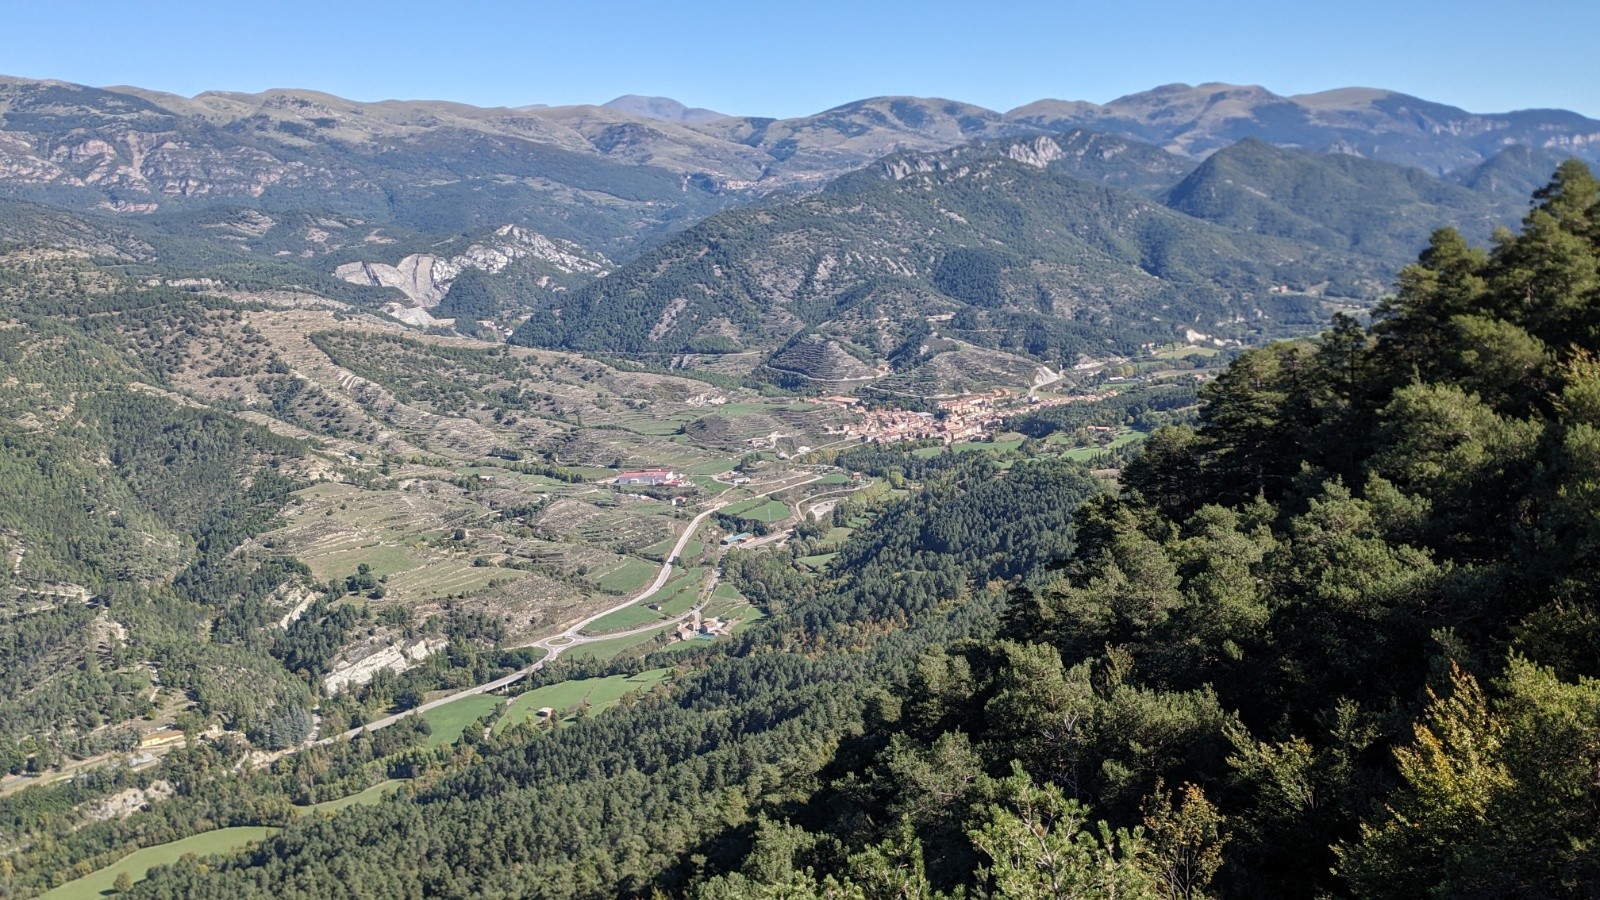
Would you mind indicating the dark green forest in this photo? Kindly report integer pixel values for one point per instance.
(1338, 638)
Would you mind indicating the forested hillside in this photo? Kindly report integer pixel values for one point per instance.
(1017, 257)
(1339, 638)
(648, 787)
(122, 506)
(1055, 249)
(1336, 639)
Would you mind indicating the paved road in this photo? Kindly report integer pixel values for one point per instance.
(556, 644)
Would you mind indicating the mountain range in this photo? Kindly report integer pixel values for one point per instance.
(1053, 231)
(141, 147)
(1053, 248)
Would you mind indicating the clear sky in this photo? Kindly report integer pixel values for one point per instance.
(795, 58)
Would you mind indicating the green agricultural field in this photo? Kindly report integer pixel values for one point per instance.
(632, 575)
(709, 487)
(1084, 454)
(564, 698)
(594, 473)
(713, 467)
(610, 691)
(677, 581)
(676, 596)
(624, 619)
(653, 427)
(1179, 351)
(518, 477)
(835, 478)
(1004, 446)
(818, 562)
(679, 598)
(449, 720)
(728, 603)
(364, 798)
(760, 509)
(661, 548)
(744, 408)
(100, 883)
(747, 617)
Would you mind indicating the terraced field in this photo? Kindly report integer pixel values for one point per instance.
(334, 528)
(691, 550)
(713, 467)
(449, 577)
(631, 575)
(423, 478)
(623, 523)
(675, 597)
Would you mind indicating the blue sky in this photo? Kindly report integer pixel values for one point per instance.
(757, 58)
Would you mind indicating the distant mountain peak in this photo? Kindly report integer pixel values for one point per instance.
(665, 109)
(1343, 98)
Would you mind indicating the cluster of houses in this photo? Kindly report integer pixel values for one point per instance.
(962, 418)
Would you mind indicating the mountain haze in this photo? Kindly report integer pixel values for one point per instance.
(664, 108)
(1375, 124)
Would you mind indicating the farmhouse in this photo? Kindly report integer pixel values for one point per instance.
(650, 477)
(703, 629)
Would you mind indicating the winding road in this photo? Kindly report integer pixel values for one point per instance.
(556, 644)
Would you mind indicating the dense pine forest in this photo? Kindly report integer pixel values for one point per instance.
(1338, 637)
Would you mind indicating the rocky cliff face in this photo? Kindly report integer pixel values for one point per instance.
(425, 277)
(135, 153)
(413, 276)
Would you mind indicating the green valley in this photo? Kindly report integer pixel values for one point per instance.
(1187, 496)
